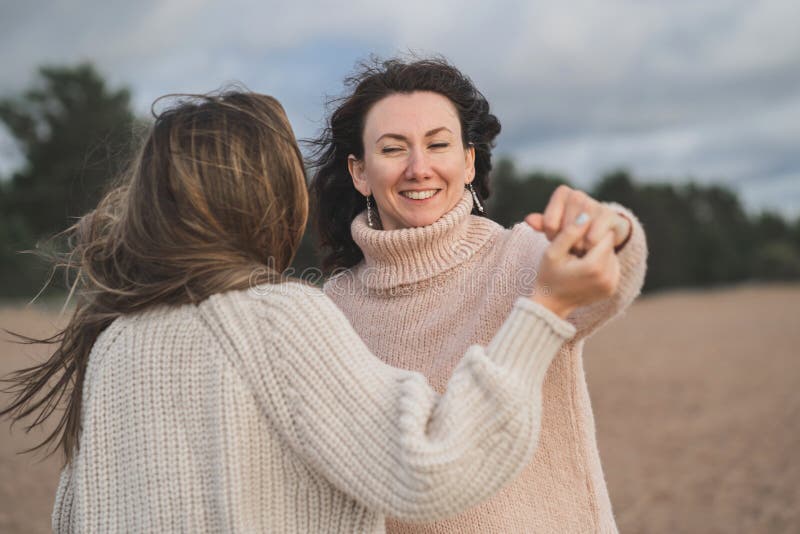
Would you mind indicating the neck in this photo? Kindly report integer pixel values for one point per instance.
(410, 255)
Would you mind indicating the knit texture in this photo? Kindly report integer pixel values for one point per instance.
(263, 411)
(422, 295)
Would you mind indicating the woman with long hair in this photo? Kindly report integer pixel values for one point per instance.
(401, 175)
(203, 391)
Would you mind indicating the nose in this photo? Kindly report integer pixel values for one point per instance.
(418, 167)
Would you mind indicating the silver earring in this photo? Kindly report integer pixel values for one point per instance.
(475, 198)
(370, 215)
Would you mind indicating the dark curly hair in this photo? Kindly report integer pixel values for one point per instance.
(336, 202)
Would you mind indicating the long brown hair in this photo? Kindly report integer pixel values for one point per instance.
(216, 194)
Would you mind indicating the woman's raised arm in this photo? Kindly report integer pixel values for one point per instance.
(382, 434)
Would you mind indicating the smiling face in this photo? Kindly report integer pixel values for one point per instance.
(415, 164)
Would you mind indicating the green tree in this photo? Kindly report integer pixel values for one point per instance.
(75, 134)
(721, 241)
(514, 196)
(776, 254)
(769, 225)
(796, 233)
(666, 219)
(617, 186)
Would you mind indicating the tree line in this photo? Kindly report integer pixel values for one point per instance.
(76, 134)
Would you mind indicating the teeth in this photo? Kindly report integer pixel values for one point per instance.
(419, 195)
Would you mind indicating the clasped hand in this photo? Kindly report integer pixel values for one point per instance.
(580, 265)
(564, 207)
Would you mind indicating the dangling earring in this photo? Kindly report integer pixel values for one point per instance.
(370, 215)
(475, 198)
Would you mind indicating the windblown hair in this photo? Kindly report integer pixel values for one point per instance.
(336, 201)
(216, 195)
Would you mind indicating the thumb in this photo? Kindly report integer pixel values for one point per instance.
(570, 236)
(535, 221)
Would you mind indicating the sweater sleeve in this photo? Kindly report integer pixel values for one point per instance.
(633, 266)
(380, 434)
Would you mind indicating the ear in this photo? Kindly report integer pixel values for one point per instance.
(356, 168)
(469, 163)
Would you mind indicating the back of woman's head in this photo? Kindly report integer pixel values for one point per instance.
(216, 195)
(335, 199)
(219, 186)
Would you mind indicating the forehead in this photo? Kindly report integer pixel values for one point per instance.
(412, 113)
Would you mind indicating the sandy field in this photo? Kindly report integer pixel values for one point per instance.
(696, 397)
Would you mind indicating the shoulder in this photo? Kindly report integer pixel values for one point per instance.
(270, 309)
(261, 300)
(157, 321)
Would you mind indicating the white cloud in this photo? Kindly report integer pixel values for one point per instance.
(665, 88)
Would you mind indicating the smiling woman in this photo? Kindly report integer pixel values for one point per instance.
(415, 163)
(374, 149)
(428, 275)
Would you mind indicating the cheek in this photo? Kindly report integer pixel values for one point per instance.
(456, 172)
(382, 174)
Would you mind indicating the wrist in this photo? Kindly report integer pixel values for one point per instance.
(553, 304)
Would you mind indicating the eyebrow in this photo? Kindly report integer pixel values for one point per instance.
(399, 137)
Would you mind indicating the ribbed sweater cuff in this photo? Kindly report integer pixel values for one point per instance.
(632, 257)
(529, 339)
(634, 244)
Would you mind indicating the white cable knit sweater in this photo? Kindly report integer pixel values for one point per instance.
(263, 411)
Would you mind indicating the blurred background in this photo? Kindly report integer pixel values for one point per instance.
(687, 113)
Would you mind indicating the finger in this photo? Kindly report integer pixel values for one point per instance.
(568, 237)
(602, 256)
(576, 203)
(602, 250)
(583, 203)
(622, 227)
(602, 224)
(554, 211)
(535, 221)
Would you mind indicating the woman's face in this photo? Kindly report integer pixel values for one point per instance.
(415, 164)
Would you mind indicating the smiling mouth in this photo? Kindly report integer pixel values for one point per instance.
(419, 195)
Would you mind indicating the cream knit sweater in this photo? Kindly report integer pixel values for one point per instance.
(263, 411)
(423, 295)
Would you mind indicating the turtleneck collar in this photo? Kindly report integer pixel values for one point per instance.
(409, 255)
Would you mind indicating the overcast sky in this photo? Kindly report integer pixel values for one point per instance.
(668, 89)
